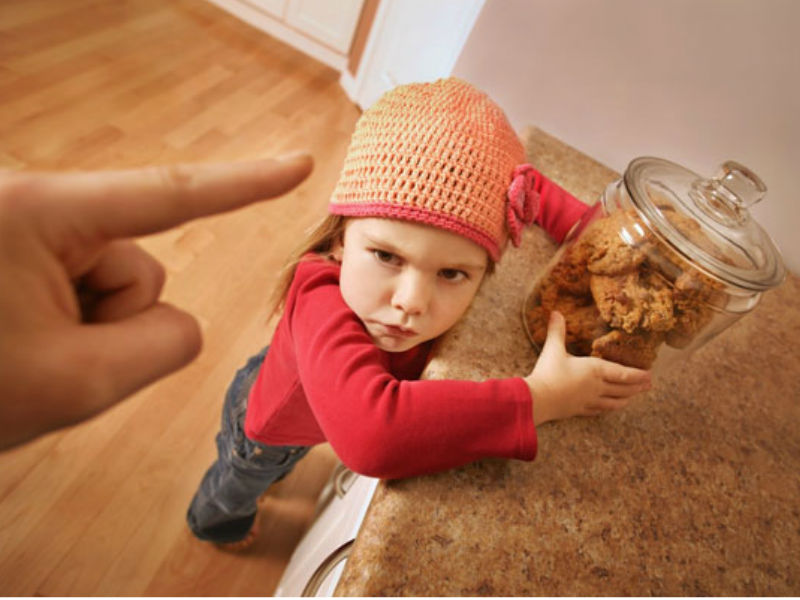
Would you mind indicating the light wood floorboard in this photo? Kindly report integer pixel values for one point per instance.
(98, 509)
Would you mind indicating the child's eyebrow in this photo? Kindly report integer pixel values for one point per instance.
(389, 247)
(467, 267)
(383, 244)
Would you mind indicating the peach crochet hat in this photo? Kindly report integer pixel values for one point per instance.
(440, 154)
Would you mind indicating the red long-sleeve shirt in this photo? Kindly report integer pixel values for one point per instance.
(324, 379)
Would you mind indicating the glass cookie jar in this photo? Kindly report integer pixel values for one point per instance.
(663, 263)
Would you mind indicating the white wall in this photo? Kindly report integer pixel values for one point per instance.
(694, 81)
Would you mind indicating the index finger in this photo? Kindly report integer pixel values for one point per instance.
(612, 372)
(136, 202)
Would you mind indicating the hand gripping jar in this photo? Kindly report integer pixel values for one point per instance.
(663, 263)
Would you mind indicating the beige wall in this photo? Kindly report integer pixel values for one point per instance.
(694, 81)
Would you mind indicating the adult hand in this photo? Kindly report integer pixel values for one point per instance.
(81, 324)
(564, 386)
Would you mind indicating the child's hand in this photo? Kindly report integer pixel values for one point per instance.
(565, 386)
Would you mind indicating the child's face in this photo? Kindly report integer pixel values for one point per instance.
(408, 283)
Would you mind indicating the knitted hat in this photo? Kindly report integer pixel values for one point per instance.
(440, 154)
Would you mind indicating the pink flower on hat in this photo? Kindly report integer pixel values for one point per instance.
(523, 201)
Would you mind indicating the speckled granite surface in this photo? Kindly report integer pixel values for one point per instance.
(693, 489)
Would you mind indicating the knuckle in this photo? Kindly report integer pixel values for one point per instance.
(600, 368)
(16, 184)
(175, 177)
(17, 192)
(177, 180)
(145, 271)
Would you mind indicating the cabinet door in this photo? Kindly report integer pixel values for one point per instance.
(412, 40)
(332, 23)
(337, 524)
(276, 8)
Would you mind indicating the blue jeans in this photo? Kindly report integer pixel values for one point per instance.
(224, 507)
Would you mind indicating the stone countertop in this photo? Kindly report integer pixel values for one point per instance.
(693, 489)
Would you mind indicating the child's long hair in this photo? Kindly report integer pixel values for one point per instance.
(321, 241)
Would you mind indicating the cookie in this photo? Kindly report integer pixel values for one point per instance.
(689, 321)
(634, 300)
(633, 350)
(657, 300)
(583, 323)
(537, 319)
(692, 286)
(608, 253)
(615, 299)
(693, 294)
(571, 273)
(692, 231)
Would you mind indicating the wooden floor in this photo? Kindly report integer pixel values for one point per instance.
(84, 84)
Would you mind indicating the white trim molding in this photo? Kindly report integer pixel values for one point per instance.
(263, 21)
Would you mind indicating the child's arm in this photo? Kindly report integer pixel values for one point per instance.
(564, 386)
(389, 428)
(558, 209)
(385, 427)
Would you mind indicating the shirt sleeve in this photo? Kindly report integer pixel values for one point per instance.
(384, 427)
(558, 209)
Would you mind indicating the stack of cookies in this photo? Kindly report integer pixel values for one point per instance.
(623, 299)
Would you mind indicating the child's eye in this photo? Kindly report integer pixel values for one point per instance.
(453, 275)
(386, 257)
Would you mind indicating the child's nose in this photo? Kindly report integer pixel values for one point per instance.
(412, 293)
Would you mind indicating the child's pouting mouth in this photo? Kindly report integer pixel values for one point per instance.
(398, 331)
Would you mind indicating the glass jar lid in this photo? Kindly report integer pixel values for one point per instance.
(707, 220)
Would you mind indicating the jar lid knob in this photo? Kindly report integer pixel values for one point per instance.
(728, 195)
(744, 186)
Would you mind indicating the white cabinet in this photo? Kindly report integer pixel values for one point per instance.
(276, 8)
(322, 29)
(319, 559)
(411, 41)
(331, 23)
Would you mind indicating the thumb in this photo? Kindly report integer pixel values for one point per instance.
(556, 334)
(129, 354)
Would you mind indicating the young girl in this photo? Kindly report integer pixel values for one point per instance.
(432, 187)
